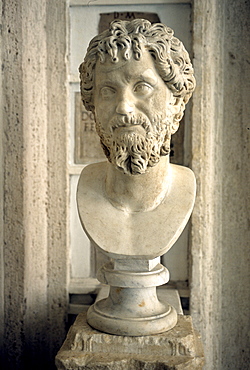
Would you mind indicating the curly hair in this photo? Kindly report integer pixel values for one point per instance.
(127, 37)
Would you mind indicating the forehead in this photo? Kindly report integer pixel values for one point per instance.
(144, 69)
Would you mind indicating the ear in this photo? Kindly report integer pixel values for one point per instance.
(177, 107)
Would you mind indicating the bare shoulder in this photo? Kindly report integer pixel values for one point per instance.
(183, 175)
(92, 174)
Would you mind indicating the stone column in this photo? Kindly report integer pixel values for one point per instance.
(35, 184)
(220, 159)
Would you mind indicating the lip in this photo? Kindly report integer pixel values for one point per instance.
(129, 128)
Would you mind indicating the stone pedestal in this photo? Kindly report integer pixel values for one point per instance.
(132, 306)
(86, 348)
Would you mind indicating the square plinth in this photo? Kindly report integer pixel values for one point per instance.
(87, 348)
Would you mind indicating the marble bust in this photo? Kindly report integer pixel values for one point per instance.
(136, 79)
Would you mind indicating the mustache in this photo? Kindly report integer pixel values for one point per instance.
(132, 120)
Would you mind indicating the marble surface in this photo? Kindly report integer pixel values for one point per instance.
(139, 234)
(132, 306)
(163, 292)
(136, 79)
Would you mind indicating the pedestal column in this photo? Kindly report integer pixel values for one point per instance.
(132, 307)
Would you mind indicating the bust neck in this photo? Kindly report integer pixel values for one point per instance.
(138, 193)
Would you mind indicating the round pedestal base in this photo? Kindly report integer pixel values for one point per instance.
(132, 307)
(133, 326)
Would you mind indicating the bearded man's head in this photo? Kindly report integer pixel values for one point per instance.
(134, 140)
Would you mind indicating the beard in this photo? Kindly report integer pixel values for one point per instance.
(135, 143)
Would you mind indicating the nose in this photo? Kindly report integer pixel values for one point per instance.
(124, 106)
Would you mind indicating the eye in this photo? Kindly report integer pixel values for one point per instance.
(143, 89)
(107, 92)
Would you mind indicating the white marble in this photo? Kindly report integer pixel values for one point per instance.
(163, 293)
(135, 264)
(132, 306)
(136, 79)
(138, 234)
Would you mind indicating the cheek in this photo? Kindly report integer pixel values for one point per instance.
(155, 105)
(103, 115)
(105, 106)
(160, 100)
